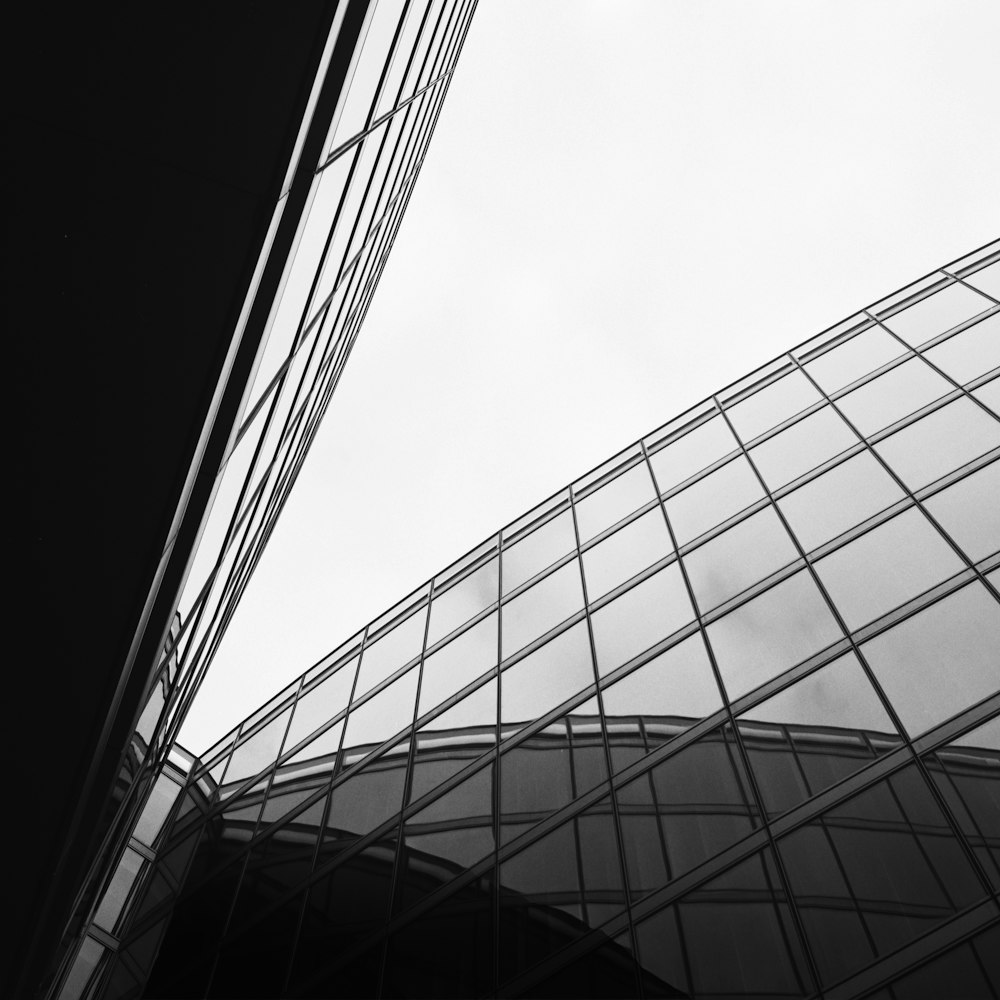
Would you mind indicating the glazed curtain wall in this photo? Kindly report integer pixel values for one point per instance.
(718, 719)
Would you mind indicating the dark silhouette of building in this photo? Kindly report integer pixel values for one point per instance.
(203, 198)
(722, 718)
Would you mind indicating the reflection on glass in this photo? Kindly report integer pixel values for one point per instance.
(391, 651)
(463, 601)
(729, 937)
(690, 454)
(865, 889)
(530, 555)
(940, 442)
(712, 500)
(700, 802)
(541, 607)
(458, 663)
(771, 633)
(317, 755)
(475, 714)
(802, 447)
(860, 355)
(936, 314)
(886, 567)
(989, 395)
(628, 551)
(641, 617)
(892, 396)
(970, 512)
(738, 558)
(911, 660)
(546, 677)
(967, 774)
(118, 889)
(771, 405)
(971, 353)
(815, 733)
(986, 279)
(257, 751)
(844, 496)
(382, 716)
(367, 799)
(613, 501)
(321, 703)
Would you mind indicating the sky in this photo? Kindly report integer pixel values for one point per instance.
(625, 207)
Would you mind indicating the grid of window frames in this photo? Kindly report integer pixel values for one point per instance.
(378, 139)
(721, 718)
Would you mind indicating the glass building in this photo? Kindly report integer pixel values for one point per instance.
(720, 719)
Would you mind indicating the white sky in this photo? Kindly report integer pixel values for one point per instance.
(625, 206)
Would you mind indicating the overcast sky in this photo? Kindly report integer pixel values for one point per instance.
(625, 206)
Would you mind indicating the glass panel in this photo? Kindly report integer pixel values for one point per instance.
(712, 500)
(738, 558)
(318, 755)
(864, 353)
(940, 442)
(471, 720)
(368, 798)
(389, 652)
(771, 633)
(876, 872)
(969, 511)
(839, 499)
(86, 960)
(458, 663)
(692, 453)
(911, 659)
(936, 314)
(530, 555)
(701, 802)
(956, 973)
(815, 733)
(728, 938)
(613, 501)
(628, 551)
(257, 752)
(465, 600)
(886, 567)
(892, 396)
(771, 405)
(547, 676)
(971, 353)
(802, 447)
(987, 279)
(321, 703)
(118, 889)
(541, 607)
(967, 773)
(382, 716)
(989, 395)
(640, 618)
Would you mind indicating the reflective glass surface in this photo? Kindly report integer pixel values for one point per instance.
(613, 501)
(532, 613)
(846, 363)
(458, 662)
(936, 314)
(969, 511)
(771, 405)
(896, 394)
(463, 601)
(628, 551)
(698, 449)
(971, 353)
(712, 500)
(533, 553)
(986, 279)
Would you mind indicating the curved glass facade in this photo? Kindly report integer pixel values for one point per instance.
(719, 719)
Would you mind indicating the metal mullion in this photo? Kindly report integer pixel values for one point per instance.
(961, 279)
(612, 797)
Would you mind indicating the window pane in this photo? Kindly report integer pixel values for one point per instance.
(530, 555)
(989, 395)
(464, 601)
(547, 676)
(321, 703)
(862, 354)
(886, 567)
(692, 453)
(940, 442)
(815, 733)
(712, 500)
(970, 512)
(911, 659)
(987, 279)
(971, 353)
(368, 798)
(640, 618)
(802, 447)
(936, 314)
(613, 501)
(389, 652)
(258, 751)
(620, 556)
(892, 396)
(541, 607)
(839, 499)
(771, 405)
(771, 633)
(738, 558)
(469, 725)
(382, 716)
(458, 663)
